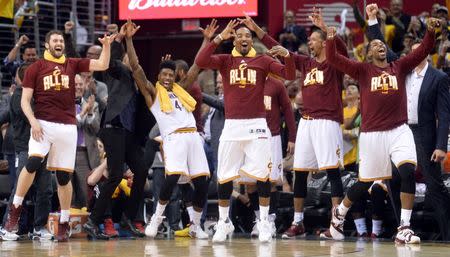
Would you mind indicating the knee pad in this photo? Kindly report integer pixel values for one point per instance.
(408, 182)
(168, 185)
(263, 188)
(300, 184)
(224, 190)
(334, 176)
(63, 177)
(33, 164)
(201, 191)
(357, 190)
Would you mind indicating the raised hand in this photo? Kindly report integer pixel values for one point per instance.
(372, 10)
(131, 28)
(107, 40)
(229, 32)
(331, 32)
(433, 23)
(68, 26)
(166, 57)
(210, 29)
(23, 40)
(317, 19)
(248, 22)
(278, 51)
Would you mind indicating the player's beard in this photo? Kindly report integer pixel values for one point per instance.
(56, 54)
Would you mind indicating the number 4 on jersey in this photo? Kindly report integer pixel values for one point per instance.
(177, 105)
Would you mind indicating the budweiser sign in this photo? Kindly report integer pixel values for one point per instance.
(174, 9)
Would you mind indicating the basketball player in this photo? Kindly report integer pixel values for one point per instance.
(385, 136)
(244, 147)
(319, 136)
(276, 102)
(184, 156)
(50, 83)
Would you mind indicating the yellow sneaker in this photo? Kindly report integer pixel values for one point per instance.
(183, 232)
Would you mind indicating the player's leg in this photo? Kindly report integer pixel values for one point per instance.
(304, 162)
(230, 158)
(403, 154)
(374, 165)
(199, 173)
(378, 194)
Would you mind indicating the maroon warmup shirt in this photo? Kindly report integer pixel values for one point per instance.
(244, 79)
(383, 90)
(321, 84)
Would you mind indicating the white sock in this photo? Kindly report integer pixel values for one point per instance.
(190, 211)
(360, 225)
(264, 212)
(342, 209)
(298, 217)
(257, 214)
(405, 217)
(65, 215)
(17, 201)
(377, 227)
(196, 216)
(160, 209)
(223, 213)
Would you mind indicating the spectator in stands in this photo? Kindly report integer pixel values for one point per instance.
(43, 179)
(87, 157)
(351, 135)
(292, 35)
(401, 19)
(96, 88)
(96, 179)
(29, 55)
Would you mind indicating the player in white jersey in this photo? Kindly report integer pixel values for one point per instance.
(183, 150)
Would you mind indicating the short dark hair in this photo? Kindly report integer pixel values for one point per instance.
(52, 32)
(168, 64)
(245, 27)
(21, 70)
(321, 33)
(182, 65)
(28, 46)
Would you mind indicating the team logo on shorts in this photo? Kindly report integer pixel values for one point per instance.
(270, 165)
(338, 152)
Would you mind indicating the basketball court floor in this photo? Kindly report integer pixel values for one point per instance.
(236, 247)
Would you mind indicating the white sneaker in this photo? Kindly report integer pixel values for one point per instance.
(272, 218)
(223, 229)
(406, 236)
(265, 231)
(41, 234)
(255, 231)
(195, 231)
(8, 236)
(152, 228)
(337, 225)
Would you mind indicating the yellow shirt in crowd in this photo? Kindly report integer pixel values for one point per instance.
(7, 8)
(350, 156)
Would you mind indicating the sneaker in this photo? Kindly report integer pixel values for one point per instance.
(8, 236)
(223, 229)
(296, 229)
(139, 226)
(272, 218)
(375, 236)
(196, 231)
(13, 219)
(109, 229)
(41, 234)
(406, 236)
(326, 234)
(265, 231)
(182, 232)
(63, 232)
(152, 228)
(255, 231)
(337, 225)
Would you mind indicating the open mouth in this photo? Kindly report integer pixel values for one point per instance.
(166, 83)
(244, 44)
(58, 49)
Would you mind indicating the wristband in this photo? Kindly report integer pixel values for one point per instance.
(220, 37)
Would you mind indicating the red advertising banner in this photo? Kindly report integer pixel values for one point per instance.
(175, 9)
